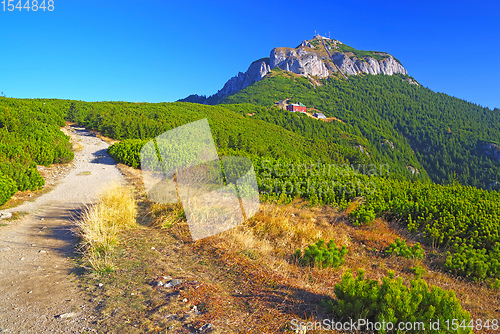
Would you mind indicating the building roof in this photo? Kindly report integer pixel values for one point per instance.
(301, 105)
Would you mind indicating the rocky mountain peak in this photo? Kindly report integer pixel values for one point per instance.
(318, 57)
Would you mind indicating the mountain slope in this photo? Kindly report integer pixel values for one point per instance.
(453, 139)
(232, 131)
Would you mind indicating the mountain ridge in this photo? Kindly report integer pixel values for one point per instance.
(319, 57)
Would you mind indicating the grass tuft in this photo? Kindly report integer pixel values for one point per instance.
(100, 223)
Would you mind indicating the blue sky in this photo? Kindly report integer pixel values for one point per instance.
(162, 51)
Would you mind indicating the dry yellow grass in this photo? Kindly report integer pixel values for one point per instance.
(277, 231)
(271, 237)
(101, 222)
(353, 205)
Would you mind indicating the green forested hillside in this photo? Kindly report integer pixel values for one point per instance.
(448, 135)
(232, 131)
(29, 136)
(398, 157)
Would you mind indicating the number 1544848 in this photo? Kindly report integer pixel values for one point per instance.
(27, 5)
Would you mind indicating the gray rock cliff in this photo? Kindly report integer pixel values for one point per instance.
(256, 71)
(319, 57)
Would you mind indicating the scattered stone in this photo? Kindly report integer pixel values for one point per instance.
(67, 315)
(173, 283)
(206, 327)
(153, 248)
(41, 218)
(5, 249)
(41, 251)
(5, 215)
(30, 291)
(33, 245)
(159, 283)
(21, 259)
(185, 300)
(100, 284)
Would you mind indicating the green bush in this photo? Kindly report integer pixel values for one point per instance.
(322, 255)
(7, 188)
(30, 135)
(400, 248)
(362, 215)
(393, 301)
(25, 177)
(476, 263)
(127, 152)
(418, 271)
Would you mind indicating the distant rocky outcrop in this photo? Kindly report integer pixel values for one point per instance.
(354, 66)
(194, 98)
(492, 150)
(413, 170)
(299, 62)
(319, 57)
(388, 144)
(256, 71)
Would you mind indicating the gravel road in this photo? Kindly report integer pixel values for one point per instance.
(38, 289)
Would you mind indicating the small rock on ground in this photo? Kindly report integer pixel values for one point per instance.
(67, 315)
(5, 215)
(173, 283)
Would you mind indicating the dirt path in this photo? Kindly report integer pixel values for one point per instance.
(37, 284)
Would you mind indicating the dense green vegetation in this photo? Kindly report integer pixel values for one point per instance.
(462, 218)
(394, 302)
(128, 151)
(400, 248)
(322, 255)
(237, 132)
(30, 136)
(232, 132)
(7, 188)
(398, 159)
(448, 135)
(38, 141)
